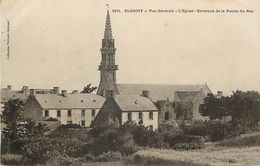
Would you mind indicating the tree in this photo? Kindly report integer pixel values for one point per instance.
(215, 108)
(12, 118)
(21, 134)
(245, 108)
(88, 89)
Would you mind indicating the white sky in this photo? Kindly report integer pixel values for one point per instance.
(57, 43)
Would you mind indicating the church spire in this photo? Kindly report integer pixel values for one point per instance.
(107, 65)
(108, 29)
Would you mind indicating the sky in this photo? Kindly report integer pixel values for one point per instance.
(57, 43)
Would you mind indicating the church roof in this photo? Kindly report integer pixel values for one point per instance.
(160, 91)
(134, 103)
(71, 101)
(186, 96)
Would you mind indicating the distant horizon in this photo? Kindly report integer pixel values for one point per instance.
(58, 44)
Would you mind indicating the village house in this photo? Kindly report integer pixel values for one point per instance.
(68, 108)
(122, 108)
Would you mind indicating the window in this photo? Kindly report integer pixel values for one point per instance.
(69, 122)
(93, 113)
(83, 123)
(140, 115)
(46, 113)
(58, 113)
(83, 112)
(151, 115)
(69, 113)
(129, 116)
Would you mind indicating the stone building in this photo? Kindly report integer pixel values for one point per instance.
(122, 108)
(73, 108)
(167, 112)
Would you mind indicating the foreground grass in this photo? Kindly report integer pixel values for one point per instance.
(209, 156)
(252, 140)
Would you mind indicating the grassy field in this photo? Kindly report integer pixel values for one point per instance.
(244, 150)
(243, 141)
(215, 156)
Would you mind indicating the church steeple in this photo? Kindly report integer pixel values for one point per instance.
(108, 29)
(107, 66)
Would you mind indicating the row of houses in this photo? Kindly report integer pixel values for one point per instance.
(147, 108)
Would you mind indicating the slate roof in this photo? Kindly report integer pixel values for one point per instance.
(186, 96)
(134, 103)
(71, 101)
(7, 94)
(160, 91)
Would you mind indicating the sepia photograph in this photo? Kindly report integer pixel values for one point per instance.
(130, 83)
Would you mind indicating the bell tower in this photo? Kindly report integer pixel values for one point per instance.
(107, 66)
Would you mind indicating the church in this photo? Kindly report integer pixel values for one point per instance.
(172, 101)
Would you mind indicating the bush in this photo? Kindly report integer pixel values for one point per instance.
(52, 119)
(219, 130)
(73, 126)
(149, 138)
(89, 157)
(214, 130)
(187, 142)
(12, 159)
(5, 144)
(188, 146)
(109, 156)
(195, 128)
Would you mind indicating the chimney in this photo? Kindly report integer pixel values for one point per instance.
(110, 94)
(103, 93)
(64, 93)
(56, 90)
(75, 92)
(9, 87)
(146, 94)
(32, 92)
(219, 94)
(25, 89)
